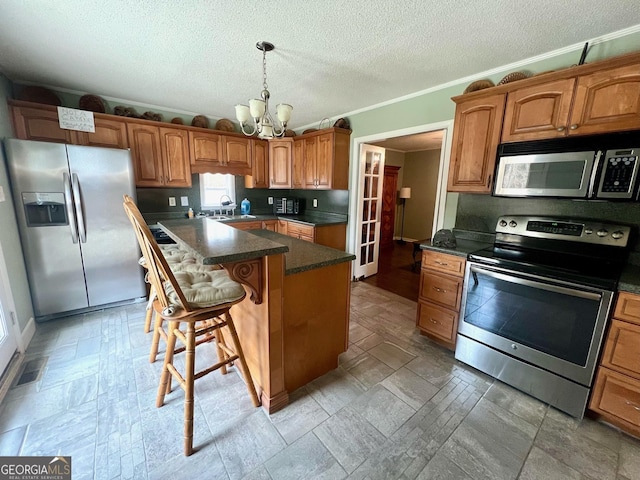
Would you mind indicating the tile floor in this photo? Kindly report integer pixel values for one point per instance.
(397, 407)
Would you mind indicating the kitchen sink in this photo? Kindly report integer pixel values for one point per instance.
(218, 217)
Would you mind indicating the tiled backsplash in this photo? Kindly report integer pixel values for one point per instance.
(155, 200)
(480, 212)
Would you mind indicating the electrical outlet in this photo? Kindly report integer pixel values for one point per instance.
(270, 200)
(184, 201)
(315, 203)
(172, 201)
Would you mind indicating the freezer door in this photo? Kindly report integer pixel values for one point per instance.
(54, 263)
(100, 177)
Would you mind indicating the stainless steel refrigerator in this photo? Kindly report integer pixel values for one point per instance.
(79, 246)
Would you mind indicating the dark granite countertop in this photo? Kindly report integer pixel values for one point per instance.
(218, 243)
(302, 255)
(630, 279)
(316, 219)
(466, 242)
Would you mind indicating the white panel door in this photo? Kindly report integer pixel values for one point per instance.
(369, 210)
(8, 340)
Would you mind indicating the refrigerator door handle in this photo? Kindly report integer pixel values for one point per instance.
(69, 204)
(78, 202)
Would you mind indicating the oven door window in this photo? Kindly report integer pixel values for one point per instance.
(555, 320)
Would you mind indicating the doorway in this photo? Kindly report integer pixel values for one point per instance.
(417, 161)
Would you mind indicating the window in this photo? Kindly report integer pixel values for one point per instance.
(213, 186)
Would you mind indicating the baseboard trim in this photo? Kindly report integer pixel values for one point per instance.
(28, 333)
(10, 374)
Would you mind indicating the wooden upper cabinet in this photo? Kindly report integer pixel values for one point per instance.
(607, 101)
(325, 159)
(310, 159)
(175, 154)
(38, 124)
(109, 133)
(298, 164)
(539, 111)
(280, 163)
(259, 177)
(205, 151)
(324, 162)
(147, 154)
(160, 156)
(476, 137)
(236, 154)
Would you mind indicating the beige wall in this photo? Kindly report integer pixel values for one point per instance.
(421, 174)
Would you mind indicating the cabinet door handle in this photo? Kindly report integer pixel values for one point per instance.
(433, 321)
(439, 290)
(633, 405)
(444, 264)
(560, 129)
(573, 127)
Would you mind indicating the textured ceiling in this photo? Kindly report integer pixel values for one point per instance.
(331, 57)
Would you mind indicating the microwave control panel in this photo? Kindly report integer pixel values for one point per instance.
(619, 174)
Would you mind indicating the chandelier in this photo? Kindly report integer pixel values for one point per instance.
(258, 109)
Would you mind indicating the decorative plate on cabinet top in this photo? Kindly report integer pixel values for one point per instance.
(92, 103)
(478, 85)
(224, 125)
(513, 77)
(37, 94)
(200, 121)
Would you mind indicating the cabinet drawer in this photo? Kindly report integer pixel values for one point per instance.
(622, 347)
(442, 289)
(617, 395)
(628, 307)
(303, 232)
(246, 225)
(443, 262)
(437, 321)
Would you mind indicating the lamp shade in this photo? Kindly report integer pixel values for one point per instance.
(256, 107)
(405, 192)
(242, 113)
(283, 111)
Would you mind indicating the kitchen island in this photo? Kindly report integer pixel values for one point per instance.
(295, 323)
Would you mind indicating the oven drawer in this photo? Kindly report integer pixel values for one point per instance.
(617, 397)
(622, 347)
(442, 262)
(437, 321)
(628, 307)
(442, 289)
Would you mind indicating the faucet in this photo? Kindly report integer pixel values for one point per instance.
(224, 203)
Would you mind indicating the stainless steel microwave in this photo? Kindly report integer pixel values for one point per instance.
(561, 169)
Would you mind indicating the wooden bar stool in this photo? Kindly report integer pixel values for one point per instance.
(199, 302)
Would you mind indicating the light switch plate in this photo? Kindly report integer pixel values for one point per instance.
(184, 201)
(172, 201)
(315, 202)
(2, 199)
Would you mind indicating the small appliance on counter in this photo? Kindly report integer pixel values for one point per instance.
(288, 206)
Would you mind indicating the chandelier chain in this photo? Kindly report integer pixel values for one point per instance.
(264, 69)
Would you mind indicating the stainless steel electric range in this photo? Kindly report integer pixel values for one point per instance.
(535, 305)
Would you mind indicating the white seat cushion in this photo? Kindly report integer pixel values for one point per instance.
(205, 289)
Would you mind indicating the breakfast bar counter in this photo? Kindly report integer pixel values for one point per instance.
(295, 323)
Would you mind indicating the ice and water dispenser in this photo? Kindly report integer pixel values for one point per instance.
(44, 209)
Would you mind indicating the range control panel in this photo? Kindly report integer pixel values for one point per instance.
(586, 231)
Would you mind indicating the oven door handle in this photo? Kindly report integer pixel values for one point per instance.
(513, 278)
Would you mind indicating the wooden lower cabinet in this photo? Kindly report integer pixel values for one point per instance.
(440, 294)
(438, 321)
(616, 392)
